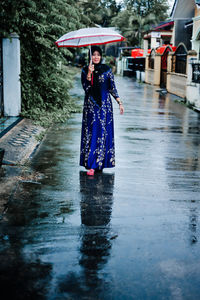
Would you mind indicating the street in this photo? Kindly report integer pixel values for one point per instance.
(131, 232)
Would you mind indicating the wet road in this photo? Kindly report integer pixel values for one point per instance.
(129, 233)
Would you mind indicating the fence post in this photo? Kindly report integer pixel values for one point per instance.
(169, 70)
(157, 69)
(192, 54)
(11, 76)
(147, 68)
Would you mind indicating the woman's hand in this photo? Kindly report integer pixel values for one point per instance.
(90, 69)
(121, 109)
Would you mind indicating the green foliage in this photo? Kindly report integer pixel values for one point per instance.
(138, 16)
(99, 12)
(55, 113)
(110, 61)
(45, 84)
(39, 24)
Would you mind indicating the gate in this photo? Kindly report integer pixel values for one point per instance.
(1, 79)
(163, 79)
(196, 72)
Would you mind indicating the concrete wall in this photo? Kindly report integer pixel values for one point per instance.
(152, 76)
(11, 76)
(193, 95)
(176, 84)
(149, 76)
(193, 89)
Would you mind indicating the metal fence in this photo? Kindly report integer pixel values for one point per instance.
(196, 72)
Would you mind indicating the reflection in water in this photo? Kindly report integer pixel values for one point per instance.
(97, 198)
(193, 224)
(21, 277)
(96, 208)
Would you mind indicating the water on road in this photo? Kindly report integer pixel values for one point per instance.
(131, 232)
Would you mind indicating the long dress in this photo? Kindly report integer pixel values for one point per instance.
(97, 137)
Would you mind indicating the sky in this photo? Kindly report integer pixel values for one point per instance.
(171, 2)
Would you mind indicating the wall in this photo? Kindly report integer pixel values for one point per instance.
(176, 84)
(152, 76)
(196, 32)
(193, 89)
(11, 76)
(182, 34)
(184, 9)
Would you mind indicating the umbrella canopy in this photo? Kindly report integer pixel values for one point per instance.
(89, 36)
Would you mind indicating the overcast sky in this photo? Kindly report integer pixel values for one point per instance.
(171, 2)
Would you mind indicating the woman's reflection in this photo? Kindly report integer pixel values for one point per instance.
(96, 209)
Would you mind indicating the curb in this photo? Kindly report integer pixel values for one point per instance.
(20, 141)
(18, 145)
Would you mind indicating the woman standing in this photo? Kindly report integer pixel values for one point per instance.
(97, 139)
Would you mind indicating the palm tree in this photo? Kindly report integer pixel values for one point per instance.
(132, 25)
(140, 24)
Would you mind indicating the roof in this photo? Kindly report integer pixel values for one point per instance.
(163, 25)
(188, 3)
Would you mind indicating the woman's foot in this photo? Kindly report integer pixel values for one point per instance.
(90, 172)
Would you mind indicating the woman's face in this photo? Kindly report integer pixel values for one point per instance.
(96, 57)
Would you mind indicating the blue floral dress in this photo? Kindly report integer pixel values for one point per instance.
(97, 138)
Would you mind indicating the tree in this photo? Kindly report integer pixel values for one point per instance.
(138, 16)
(39, 24)
(99, 12)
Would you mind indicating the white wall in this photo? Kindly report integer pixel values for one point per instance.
(193, 89)
(11, 76)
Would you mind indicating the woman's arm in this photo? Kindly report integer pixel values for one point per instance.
(114, 93)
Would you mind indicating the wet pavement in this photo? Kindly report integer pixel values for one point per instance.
(131, 232)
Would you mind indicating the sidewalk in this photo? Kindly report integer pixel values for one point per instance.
(18, 139)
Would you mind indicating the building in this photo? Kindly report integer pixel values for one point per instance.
(182, 14)
(159, 35)
(196, 30)
(177, 69)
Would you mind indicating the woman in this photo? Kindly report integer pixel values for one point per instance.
(97, 140)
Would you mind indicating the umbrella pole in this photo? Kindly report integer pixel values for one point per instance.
(90, 53)
(91, 63)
